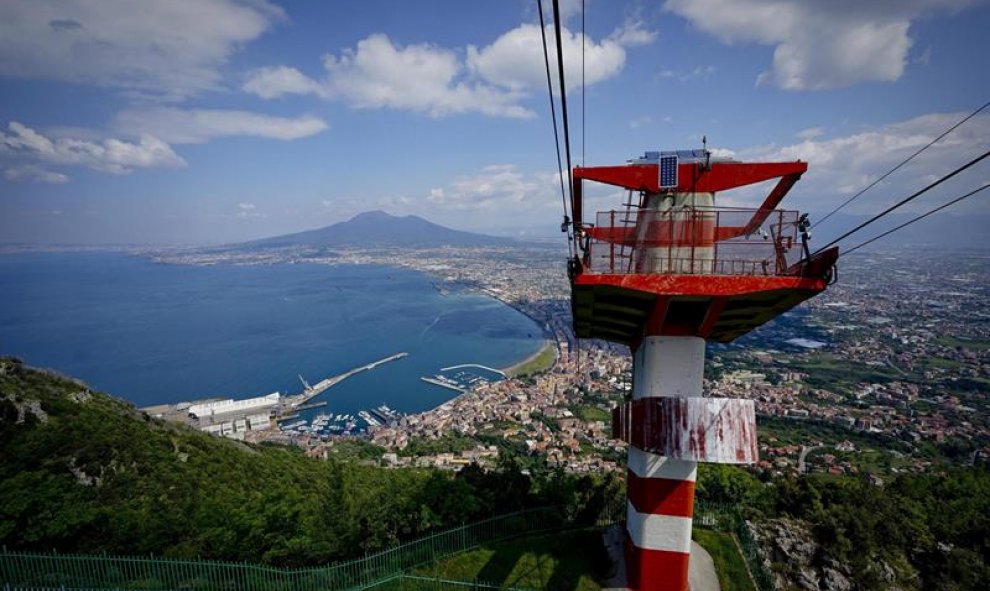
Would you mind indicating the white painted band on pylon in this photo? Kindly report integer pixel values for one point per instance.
(658, 532)
(647, 465)
(668, 366)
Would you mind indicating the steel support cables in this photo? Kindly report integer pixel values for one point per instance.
(906, 200)
(571, 248)
(584, 101)
(563, 96)
(916, 219)
(902, 163)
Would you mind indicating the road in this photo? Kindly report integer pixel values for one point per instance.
(804, 453)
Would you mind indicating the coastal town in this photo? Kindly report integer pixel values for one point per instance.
(874, 377)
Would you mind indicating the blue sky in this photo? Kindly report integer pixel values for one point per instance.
(206, 121)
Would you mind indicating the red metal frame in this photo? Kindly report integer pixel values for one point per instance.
(674, 301)
(704, 285)
(695, 177)
(689, 301)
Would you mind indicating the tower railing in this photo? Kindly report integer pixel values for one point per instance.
(693, 241)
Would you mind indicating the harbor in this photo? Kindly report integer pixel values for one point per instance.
(231, 417)
(462, 377)
(310, 392)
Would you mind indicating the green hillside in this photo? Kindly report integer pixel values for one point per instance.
(85, 472)
(568, 561)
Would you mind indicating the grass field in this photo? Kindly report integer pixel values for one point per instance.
(975, 345)
(542, 361)
(826, 370)
(591, 413)
(798, 431)
(729, 564)
(568, 561)
(572, 561)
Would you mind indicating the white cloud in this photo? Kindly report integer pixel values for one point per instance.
(841, 166)
(498, 191)
(31, 172)
(497, 196)
(378, 74)
(818, 44)
(416, 77)
(697, 73)
(108, 155)
(811, 133)
(515, 60)
(640, 122)
(181, 126)
(491, 80)
(722, 153)
(497, 187)
(249, 211)
(269, 83)
(170, 49)
(504, 194)
(568, 9)
(633, 32)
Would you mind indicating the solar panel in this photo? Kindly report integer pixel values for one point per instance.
(668, 172)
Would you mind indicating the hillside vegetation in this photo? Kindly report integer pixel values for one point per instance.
(85, 472)
(916, 531)
(568, 561)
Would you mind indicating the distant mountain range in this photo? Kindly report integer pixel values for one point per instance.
(377, 229)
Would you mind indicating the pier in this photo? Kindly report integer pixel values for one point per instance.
(442, 384)
(313, 391)
(491, 369)
(231, 418)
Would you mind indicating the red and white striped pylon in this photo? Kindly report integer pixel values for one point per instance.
(660, 490)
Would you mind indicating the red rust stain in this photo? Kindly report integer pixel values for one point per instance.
(709, 430)
(701, 444)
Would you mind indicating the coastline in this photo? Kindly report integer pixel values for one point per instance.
(548, 344)
(549, 341)
(245, 384)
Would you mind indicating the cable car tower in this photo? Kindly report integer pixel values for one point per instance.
(663, 275)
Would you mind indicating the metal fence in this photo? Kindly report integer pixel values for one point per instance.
(751, 553)
(416, 583)
(694, 241)
(21, 570)
(386, 570)
(728, 519)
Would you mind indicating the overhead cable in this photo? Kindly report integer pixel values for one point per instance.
(584, 108)
(902, 163)
(918, 218)
(563, 96)
(556, 136)
(906, 200)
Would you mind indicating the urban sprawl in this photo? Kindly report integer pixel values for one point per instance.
(887, 371)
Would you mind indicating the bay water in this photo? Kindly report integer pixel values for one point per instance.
(155, 333)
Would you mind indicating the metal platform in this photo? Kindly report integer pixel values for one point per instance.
(707, 272)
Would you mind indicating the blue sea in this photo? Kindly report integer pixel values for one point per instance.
(154, 333)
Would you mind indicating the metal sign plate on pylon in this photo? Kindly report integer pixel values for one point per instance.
(714, 430)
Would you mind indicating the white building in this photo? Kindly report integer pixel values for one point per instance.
(230, 405)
